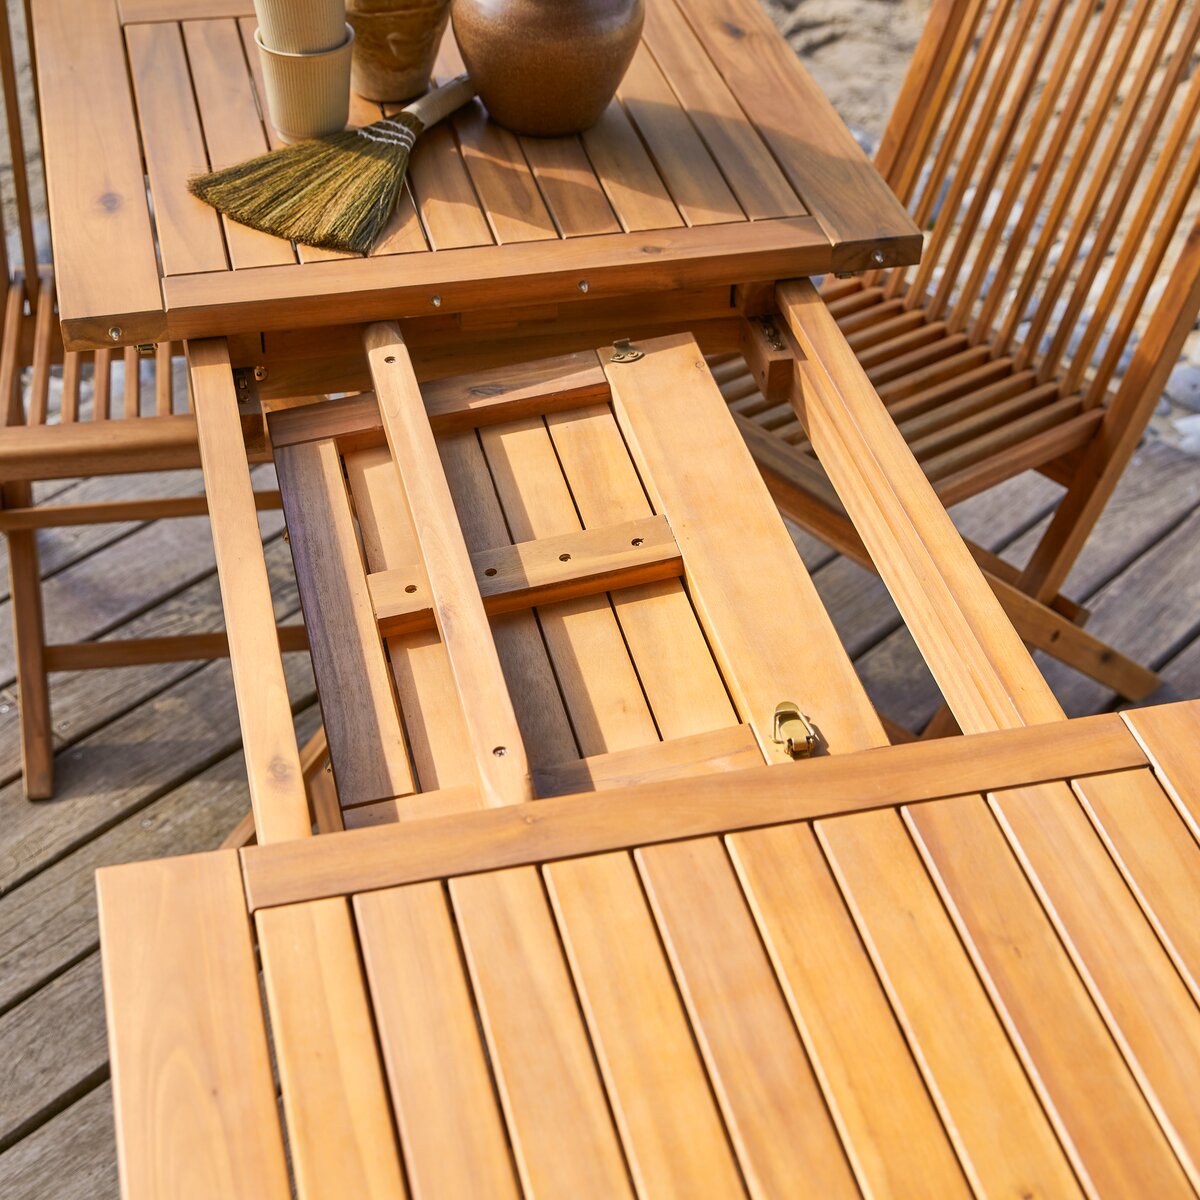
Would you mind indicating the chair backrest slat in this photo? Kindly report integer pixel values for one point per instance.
(1017, 174)
(941, 166)
(1002, 133)
(1053, 161)
(1049, 168)
(1108, 220)
(1125, 259)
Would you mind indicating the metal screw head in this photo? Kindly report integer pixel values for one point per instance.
(260, 373)
(115, 333)
(582, 285)
(877, 257)
(436, 301)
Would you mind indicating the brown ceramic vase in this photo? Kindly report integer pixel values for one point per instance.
(547, 67)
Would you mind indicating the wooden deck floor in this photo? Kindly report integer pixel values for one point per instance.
(149, 764)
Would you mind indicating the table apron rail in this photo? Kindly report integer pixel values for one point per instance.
(589, 823)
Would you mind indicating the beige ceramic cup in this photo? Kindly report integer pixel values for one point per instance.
(301, 26)
(308, 95)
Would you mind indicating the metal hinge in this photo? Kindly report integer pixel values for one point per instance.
(771, 333)
(623, 352)
(793, 731)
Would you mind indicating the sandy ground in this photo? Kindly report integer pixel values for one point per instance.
(857, 50)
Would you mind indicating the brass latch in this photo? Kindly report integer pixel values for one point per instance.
(793, 731)
(771, 333)
(623, 352)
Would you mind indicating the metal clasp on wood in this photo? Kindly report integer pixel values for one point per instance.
(793, 731)
(623, 352)
(771, 333)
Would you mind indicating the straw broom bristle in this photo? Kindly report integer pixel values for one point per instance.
(337, 192)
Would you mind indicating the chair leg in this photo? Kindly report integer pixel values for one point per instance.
(33, 685)
(318, 782)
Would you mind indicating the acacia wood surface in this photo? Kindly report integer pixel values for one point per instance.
(693, 139)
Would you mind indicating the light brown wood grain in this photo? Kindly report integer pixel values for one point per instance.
(680, 155)
(1062, 1039)
(272, 758)
(887, 1122)
(527, 574)
(1168, 734)
(447, 1113)
(992, 1114)
(106, 271)
(627, 174)
(686, 445)
(189, 232)
(729, 749)
(569, 186)
(192, 1086)
(985, 673)
(1156, 854)
(390, 286)
(495, 737)
(771, 1100)
(665, 811)
(819, 157)
(750, 171)
(369, 758)
(581, 472)
(558, 1121)
(339, 1128)
(1157, 1028)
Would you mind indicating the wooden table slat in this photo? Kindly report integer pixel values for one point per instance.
(814, 149)
(369, 758)
(738, 557)
(106, 271)
(186, 1034)
(569, 186)
(451, 1127)
(680, 155)
(886, 1117)
(745, 162)
(1070, 1054)
(771, 1099)
(558, 1118)
(233, 129)
(340, 1134)
(189, 232)
(492, 732)
(1169, 735)
(1002, 1136)
(1157, 1024)
(627, 174)
(1158, 856)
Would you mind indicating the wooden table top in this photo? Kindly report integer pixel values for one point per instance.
(720, 163)
(593, 933)
(963, 965)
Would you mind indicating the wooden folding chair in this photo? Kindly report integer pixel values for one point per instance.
(1049, 148)
(152, 431)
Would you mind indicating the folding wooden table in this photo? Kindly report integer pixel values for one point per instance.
(636, 898)
(720, 164)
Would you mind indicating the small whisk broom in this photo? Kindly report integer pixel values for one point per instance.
(338, 191)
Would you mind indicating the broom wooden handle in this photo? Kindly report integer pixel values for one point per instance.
(442, 101)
